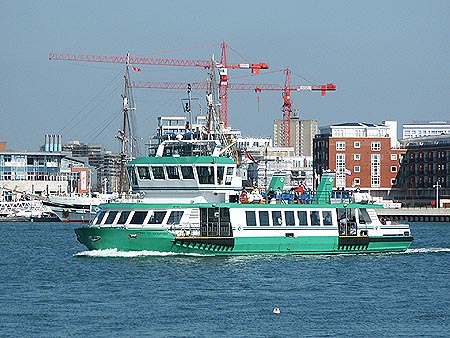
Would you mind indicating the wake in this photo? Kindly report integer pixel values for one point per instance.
(427, 250)
(128, 254)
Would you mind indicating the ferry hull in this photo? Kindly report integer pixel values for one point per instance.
(163, 241)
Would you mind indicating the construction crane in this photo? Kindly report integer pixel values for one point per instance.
(286, 93)
(222, 67)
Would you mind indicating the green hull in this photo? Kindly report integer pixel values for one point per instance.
(163, 241)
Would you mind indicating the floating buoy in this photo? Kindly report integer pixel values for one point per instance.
(276, 310)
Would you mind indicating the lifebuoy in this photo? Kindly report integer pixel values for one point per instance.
(243, 197)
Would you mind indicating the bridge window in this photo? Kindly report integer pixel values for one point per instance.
(289, 217)
(251, 218)
(138, 217)
(264, 218)
(302, 219)
(220, 172)
(158, 173)
(187, 173)
(144, 173)
(205, 175)
(132, 175)
(172, 173)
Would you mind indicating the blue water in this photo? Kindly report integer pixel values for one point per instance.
(51, 287)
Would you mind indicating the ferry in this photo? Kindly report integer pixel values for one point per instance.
(187, 202)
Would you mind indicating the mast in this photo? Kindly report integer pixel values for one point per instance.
(122, 136)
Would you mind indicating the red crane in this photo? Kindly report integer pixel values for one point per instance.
(286, 93)
(223, 67)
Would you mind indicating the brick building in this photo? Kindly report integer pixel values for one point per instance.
(364, 156)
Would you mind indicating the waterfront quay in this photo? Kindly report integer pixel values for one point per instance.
(416, 214)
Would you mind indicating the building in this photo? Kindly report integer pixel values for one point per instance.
(361, 154)
(424, 178)
(302, 133)
(425, 128)
(41, 173)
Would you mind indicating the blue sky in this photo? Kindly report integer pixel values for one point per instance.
(390, 60)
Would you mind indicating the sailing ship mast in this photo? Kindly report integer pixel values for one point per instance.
(126, 137)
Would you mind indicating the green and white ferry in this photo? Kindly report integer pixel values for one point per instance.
(191, 203)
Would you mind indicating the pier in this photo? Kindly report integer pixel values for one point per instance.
(416, 214)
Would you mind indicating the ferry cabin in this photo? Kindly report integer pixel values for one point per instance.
(236, 229)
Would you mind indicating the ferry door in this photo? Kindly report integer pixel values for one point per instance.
(347, 222)
(215, 222)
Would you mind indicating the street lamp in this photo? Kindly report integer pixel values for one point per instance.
(437, 186)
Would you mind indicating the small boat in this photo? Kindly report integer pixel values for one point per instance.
(77, 208)
(26, 211)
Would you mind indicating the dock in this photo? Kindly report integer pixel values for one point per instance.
(415, 214)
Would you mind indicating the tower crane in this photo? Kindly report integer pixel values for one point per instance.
(286, 93)
(223, 67)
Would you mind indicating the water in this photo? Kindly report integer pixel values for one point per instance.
(51, 287)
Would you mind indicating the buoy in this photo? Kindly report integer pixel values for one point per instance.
(276, 310)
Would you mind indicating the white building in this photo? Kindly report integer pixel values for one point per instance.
(425, 128)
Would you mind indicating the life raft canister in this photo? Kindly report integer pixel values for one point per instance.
(243, 197)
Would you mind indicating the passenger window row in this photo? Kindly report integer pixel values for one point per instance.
(289, 218)
(138, 217)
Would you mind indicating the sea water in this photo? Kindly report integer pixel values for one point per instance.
(51, 287)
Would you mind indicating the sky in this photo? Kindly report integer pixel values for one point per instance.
(390, 60)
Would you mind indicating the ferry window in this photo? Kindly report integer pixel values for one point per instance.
(123, 217)
(138, 217)
(315, 218)
(251, 218)
(302, 218)
(111, 216)
(172, 173)
(99, 217)
(187, 173)
(229, 170)
(220, 172)
(364, 217)
(264, 218)
(132, 175)
(205, 175)
(175, 217)
(156, 217)
(158, 173)
(289, 217)
(224, 215)
(276, 218)
(327, 218)
(144, 173)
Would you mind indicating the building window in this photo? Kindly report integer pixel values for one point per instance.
(357, 169)
(340, 170)
(393, 157)
(340, 145)
(393, 169)
(375, 170)
(356, 157)
(393, 181)
(356, 181)
(357, 144)
(376, 146)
